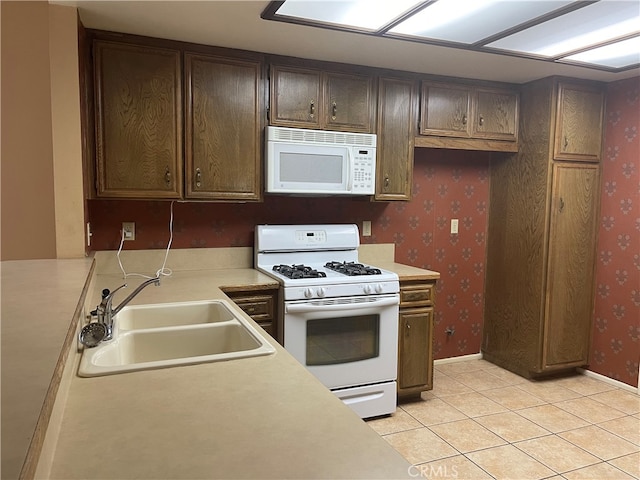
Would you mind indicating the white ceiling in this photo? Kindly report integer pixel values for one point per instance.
(237, 24)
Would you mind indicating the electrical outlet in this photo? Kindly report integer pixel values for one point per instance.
(129, 229)
(454, 226)
(366, 228)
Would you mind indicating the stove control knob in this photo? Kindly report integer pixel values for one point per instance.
(378, 288)
(321, 292)
(308, 293)
(368, 290)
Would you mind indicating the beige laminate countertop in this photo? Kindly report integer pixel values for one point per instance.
(260, 417)
(39, 299)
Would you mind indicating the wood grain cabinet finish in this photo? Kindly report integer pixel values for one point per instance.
(309, 98)
(468, 117)
(397, 114)
(579, 124)
(261, 305)
(572, 256)
(223, 128)
(415, 337)
(446, 110)
(138, 108)
(542, 246)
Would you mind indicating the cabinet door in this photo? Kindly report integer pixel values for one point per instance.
(415, 365)
(349, 102)
(138, 121)
(496, 114)
(445, 110)
(397, 99)
(572, 257)
(223, 126)
(578, 133)
(295, 97)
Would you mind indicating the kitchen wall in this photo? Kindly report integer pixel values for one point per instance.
(447, 184)
(42, 202)
(615, 350)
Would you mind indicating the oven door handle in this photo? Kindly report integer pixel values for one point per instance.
(309, 307)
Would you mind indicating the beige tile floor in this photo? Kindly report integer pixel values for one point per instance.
(482, 422)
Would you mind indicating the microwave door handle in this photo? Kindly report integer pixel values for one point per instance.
(308, 307)
(350, 170)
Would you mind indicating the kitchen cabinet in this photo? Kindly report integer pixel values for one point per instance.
(261, 305)
(139, 122)
(223, 127)
(138, 108)
(579, 125)
(540, 260)
(312, 98)
(397, 114)
(415, 337)
(468, 117)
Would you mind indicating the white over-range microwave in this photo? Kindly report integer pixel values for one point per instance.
(317, 162)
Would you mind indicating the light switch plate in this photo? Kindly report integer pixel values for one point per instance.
(366, 228)
(454, 226)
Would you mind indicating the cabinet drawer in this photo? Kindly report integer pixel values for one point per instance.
(260, 308)
(413, 295)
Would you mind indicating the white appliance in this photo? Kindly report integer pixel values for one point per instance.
(318, 162)
(340, 316)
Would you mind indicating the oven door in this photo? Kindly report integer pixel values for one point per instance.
(345, 342)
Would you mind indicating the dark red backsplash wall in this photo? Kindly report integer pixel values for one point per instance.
(447, 184)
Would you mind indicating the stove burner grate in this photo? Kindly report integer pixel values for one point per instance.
(298, 271)
(352, 268)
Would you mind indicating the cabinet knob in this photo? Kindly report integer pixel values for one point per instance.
(334, 111)
(561, 205)
(198, 178)
(408, 325)
(464, 119)
(312, 108)
(167, 176)
(481, 120)
(566, 142)
(386, 181)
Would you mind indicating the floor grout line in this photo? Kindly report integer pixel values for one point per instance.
(506, 383)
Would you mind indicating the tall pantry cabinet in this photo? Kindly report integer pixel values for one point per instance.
(542, 228)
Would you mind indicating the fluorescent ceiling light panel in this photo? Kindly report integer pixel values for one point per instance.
(469, 21)
(591, 25)
(366, 14)
(616, 55)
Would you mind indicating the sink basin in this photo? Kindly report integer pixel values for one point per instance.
(168, 335)
(172, 314)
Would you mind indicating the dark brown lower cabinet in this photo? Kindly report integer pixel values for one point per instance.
(415, 337)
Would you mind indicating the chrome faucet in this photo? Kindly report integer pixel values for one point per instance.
(105, 312)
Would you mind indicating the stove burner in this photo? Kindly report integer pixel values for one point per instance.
(352, 269)
(298, 271)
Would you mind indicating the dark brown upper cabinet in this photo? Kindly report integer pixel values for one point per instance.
(468, 117)
(579, 126)
(312, 98)
(223, 128)
(138, 108)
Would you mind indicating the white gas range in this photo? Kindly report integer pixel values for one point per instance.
(340, 316)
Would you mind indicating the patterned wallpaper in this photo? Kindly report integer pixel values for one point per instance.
(615, 350)
(447, 184)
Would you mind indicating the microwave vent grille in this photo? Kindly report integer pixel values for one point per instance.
(299, 135)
